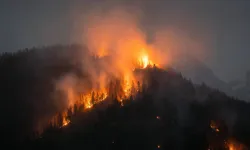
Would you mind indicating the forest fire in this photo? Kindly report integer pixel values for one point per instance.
(121, 88)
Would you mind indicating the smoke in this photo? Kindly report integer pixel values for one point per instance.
(116, 37)
(67, 85)
(176, 44)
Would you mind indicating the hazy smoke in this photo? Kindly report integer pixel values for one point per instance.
(116, 36)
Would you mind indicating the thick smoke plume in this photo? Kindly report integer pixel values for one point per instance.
(116, 44)
(115, 37)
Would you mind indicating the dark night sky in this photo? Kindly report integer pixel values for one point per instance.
(27, 23)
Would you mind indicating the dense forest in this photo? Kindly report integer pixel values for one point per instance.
(169, 113)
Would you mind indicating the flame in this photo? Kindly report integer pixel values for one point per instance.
(95, 96)
(214, 126)
(66, 121)
(127, 85)
(119, 37)
(234, 145)
(143, 59)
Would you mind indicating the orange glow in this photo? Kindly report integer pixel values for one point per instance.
(94, 97)
(214, 126)
(234, 145)
(143, 61)
(91, 97)
(66, 121)
(117, 36)
(127, 85)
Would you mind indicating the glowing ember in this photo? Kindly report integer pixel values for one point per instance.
(158, 146)
(158, 117)
(214, 126)
(65, 122)
(234, 145)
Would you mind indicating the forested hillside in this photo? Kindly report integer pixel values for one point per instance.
(167, 111)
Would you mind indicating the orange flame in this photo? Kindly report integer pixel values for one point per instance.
(66, 121)
(234, 145)
(214, 126)
(95, 96)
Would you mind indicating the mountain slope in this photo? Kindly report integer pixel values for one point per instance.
(171, 113)
(198, 72)
(168, 115)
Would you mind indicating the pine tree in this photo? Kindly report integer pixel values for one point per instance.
(143, 87)
(97, 97)
(133, 90)
(81, 108)
(93, 97)
(60, 119)
(69, 113)
(110, 89)
(139, 86)
(102, 96)
(75, 109)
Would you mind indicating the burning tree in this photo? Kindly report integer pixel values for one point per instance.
(123, 86)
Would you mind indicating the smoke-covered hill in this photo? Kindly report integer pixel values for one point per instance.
(200, 73)
(170, 113)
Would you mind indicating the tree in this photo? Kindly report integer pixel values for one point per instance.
(93, 100)
(69, 113)
(75, 109)
(144, 87)
(97, 96)
(60, 120)
(102, 96)
(139, 86)
(133, 90)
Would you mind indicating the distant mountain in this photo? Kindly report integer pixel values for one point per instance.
(242, 88)
(200, 73)
(235, 84)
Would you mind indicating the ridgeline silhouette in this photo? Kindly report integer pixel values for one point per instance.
(169, 113)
